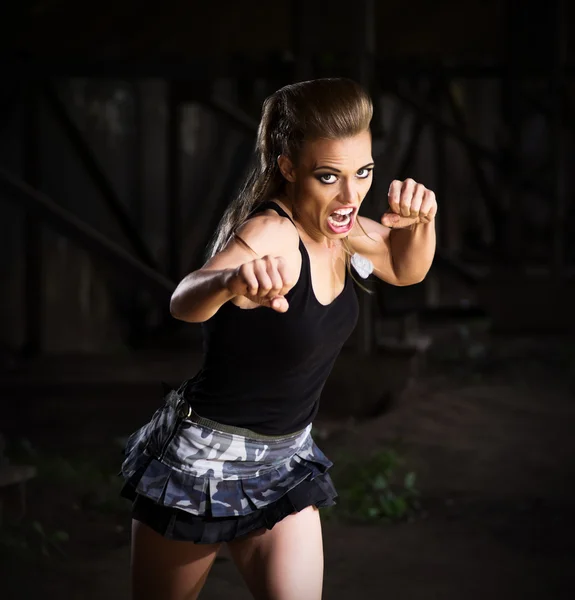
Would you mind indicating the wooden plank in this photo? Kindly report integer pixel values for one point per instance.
(64, 222)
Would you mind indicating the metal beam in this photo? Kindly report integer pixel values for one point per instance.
(201, 226)
(136, 316)
(363, 49)
(535, 40)
(45, 209)
(173, 173)
(271, 67)
(473, 148)
(235, 115)
(97, 175)
(302, 38)
(417, 129)
(447, 221)
(238, 163)
(483, 184)
(32, 239)
(558, 145)
(429, 114)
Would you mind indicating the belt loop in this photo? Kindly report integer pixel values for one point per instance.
(183, 409)
(182, 406)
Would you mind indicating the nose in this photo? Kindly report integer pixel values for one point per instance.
(349, 192)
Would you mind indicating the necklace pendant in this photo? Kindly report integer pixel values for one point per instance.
(362, 265)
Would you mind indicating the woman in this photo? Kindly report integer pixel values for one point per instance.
(229, 457)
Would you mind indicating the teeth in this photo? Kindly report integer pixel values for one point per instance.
(339, 223)
(343, 211)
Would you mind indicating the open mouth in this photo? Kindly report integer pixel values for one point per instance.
(341, 220)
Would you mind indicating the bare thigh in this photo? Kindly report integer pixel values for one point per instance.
(286, 562)
(165, 569)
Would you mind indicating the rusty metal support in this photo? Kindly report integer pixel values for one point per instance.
(97, 175)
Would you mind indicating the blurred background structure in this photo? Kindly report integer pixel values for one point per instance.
(124, 136)
(124, 133)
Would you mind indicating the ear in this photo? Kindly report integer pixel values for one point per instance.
(286, 167)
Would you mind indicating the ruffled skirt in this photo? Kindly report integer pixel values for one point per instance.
(194, 479)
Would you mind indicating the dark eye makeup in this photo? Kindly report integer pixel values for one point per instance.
(365, 172)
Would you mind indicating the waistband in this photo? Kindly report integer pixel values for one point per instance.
(184, 410)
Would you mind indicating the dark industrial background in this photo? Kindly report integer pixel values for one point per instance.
(124, 133)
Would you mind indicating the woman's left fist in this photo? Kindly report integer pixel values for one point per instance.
(410, 203)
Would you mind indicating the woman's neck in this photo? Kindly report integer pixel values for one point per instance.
(311, 233)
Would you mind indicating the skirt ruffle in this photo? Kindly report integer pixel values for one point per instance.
(176, 524)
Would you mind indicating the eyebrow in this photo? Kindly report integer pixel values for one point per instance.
(371, 164)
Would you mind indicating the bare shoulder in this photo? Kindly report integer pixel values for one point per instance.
(265, 234)
(269, 233)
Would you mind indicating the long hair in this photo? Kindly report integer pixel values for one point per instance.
(331, 108)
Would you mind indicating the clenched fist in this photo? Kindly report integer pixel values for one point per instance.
(410, 203)
(264, 281)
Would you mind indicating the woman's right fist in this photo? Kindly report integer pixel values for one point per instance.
(264, 281)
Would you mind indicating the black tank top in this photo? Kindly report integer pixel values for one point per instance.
(265, 370)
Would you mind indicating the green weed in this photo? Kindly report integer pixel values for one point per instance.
(376, 489)
(30, 539)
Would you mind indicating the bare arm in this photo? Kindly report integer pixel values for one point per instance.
(200, 294)
(260, 275)
(399, 256)
(412, 250)
(402, 247)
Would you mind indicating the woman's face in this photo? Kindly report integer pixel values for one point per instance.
(329, 183)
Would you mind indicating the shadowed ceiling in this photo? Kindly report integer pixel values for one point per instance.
(126, 30)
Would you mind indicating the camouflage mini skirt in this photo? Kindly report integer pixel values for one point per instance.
(194, 479)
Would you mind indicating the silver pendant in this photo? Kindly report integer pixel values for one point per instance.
(362, 265)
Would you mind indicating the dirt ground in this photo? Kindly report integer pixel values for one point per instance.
(490, 437)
